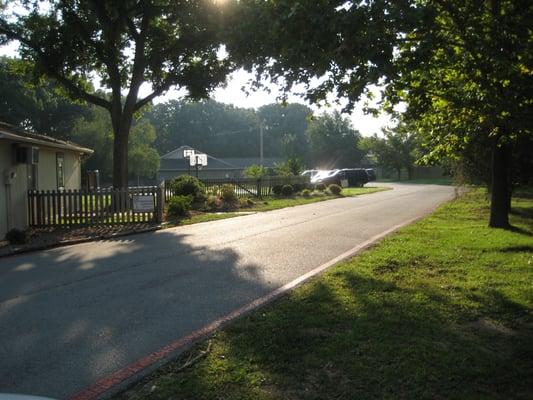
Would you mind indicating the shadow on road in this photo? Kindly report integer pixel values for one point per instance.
(68, 318)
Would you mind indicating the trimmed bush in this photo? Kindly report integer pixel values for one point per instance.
(187, 185)
(16, 236)
(213, 202)
(287, 190)
(320, 187)
(298, 187)
(335, 189)
(306, 193)
(228, 195)
(178, 206)
(276, 189)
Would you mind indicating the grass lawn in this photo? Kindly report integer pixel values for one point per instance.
(446, 181)
(441, 310)
(274, 203)
(270, 203)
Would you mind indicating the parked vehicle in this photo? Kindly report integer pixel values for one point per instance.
(371, 174)
(325, 176)
(354, 176)
(357, 177)
(310, 173)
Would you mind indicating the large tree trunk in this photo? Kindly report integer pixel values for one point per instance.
(399, 171)
(122, 120)
(120, 160)
(500, 193)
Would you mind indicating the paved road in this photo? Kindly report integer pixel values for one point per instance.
(71, 315)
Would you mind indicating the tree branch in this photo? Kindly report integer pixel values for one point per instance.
(74, 89)
(141, 103)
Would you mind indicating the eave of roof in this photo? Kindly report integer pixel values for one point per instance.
(10, 133)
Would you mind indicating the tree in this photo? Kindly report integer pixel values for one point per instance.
(465, 75)
(463, 67)
(285, 128)
(215, 128)
(396, 150)
(293, 166)
(333, 142)
(143, 158)
(255, 171)
(124, 44)
(95, 131)
(32, 105)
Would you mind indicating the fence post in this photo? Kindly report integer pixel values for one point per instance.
(258, 187)
(160, 202)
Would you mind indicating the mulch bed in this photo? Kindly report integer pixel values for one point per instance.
(41, 238)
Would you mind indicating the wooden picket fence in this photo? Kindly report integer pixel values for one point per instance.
(98, 207)
(248, 187)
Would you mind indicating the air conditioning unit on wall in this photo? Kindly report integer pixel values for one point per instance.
(25, 155)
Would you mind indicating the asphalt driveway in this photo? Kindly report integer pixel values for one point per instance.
(72, 315)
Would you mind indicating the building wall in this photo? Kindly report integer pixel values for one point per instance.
(13, 198)
(48, 172)
(5, 162)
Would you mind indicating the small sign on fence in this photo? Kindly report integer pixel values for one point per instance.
(344, 183)
(143, 204)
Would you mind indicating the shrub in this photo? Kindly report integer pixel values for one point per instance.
(228, 195)
(287, 190)
(214, 202)
(276, 189)
(320, 187)
(16, 236)
(178, 206)
(298, 187)
(306, 193)
(335, 189)
(187, 185)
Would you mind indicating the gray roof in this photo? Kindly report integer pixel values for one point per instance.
(12, 133)
(173, 161)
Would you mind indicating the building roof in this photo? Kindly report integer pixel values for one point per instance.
(174, 160)
(12, 133)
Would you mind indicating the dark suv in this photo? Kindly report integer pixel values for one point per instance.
(355, 176)
(371, 174)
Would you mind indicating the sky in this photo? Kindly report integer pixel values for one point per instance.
(233, 94)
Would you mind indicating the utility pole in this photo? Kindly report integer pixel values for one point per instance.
(261, 127)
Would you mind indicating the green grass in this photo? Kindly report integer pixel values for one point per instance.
(195, 219)
(441, 310)
(446, 181)
(274, 203)
(270, 203)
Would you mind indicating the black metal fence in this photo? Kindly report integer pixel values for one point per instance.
(248, 187)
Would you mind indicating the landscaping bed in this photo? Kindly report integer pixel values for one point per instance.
(441, 310)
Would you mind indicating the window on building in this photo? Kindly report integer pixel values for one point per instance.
(60, 172)
(33, 173)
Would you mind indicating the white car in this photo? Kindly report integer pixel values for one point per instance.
(322, 175)
(310, 173)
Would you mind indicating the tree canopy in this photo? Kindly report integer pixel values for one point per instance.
(462, 67)
(123, 45)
